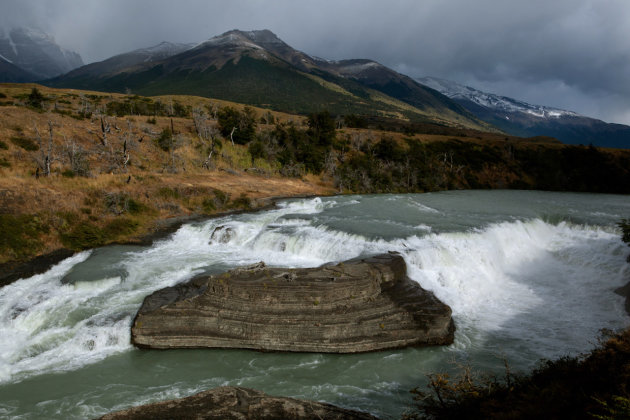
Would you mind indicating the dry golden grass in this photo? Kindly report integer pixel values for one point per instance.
(150, 180)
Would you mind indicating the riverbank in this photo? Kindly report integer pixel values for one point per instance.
(155, 225)
(495, 257)
(78, 180)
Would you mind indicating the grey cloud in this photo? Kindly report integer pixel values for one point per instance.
(573, 54)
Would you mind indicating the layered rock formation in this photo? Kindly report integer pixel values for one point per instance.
(227, 403)
(357, 306)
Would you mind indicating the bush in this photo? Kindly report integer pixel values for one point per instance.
(120, 227)
(355, 121)
(242, 202)
(242, 125)
(35, 99)
(585, 387)
(165, 141)
(257, 150)
(20, 235)
(82, 236)
(168, 193)
(3, 145)
(24, 143)
(321, 128)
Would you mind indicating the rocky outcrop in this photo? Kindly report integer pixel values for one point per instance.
(227, 403)
(625, 292)
(356, 306)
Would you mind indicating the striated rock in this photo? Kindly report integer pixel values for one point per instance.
(356, 306)
(227, 403)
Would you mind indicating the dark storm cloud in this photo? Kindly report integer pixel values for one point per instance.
(574, 54)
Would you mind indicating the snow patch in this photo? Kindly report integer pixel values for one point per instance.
(488, 100)
(5, 59)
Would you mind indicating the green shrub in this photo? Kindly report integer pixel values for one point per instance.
(35, 99)
(2, 95)
(136, 207)
(591, 386)
(120, 227)
(241, 125)
(3, 145)
(24, 143)
(165, 141)
(208, 206)
(221, 197)
(242, 202)
(4, 163)
(67, 173)
(168, 193)
(82, 236)
(20, 235)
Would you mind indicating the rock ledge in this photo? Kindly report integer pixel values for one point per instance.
(231, 403)
(356, 306)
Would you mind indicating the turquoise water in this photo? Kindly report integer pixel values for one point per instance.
(529, 275)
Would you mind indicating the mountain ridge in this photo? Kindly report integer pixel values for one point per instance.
(258, 68)
(520, 118)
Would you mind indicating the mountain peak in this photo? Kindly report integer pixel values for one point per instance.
(257, 38)
(36, 52)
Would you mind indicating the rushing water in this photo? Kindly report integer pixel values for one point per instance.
(529, 275)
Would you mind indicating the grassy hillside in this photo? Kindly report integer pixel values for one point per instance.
(80, 169)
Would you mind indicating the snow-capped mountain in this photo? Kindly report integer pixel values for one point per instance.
(37, 53)
(527, 120)
(500, 103)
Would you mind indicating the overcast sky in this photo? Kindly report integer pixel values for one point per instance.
(572, 54)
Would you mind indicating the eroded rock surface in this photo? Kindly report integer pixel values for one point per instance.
(231, 403)
(356, 306)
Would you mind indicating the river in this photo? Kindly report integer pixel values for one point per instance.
(528, 274)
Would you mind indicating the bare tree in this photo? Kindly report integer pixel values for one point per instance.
(76, 156)
(105, 130)
(47, 157)
(207, 133)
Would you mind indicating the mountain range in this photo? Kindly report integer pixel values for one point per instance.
(258, 68)
(522, 119)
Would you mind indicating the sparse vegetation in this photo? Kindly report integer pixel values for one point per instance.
(591, 386)
(20, 235)
(35, 99)
(24, 143)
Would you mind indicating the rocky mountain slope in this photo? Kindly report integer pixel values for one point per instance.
(522, 119)
(258, 68)
(36, 53)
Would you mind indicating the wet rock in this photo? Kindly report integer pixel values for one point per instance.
(355, 306)
(625, 292)
(222, 235)
(231, 403)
